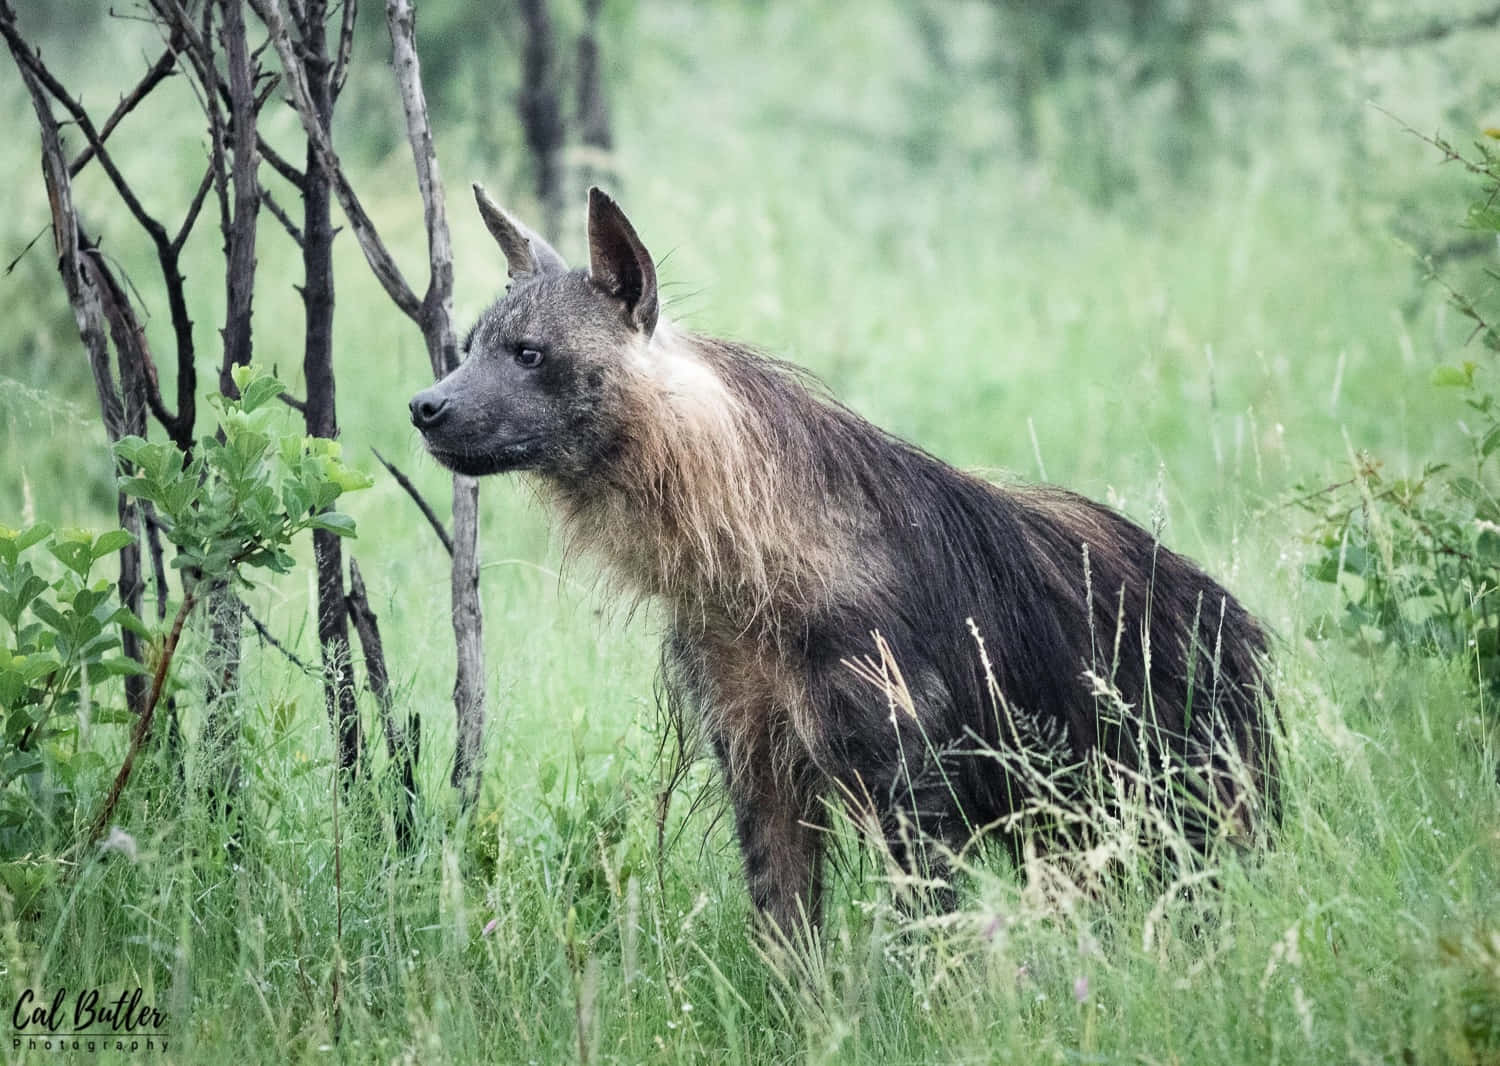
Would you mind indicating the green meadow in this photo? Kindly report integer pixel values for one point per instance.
(1198, 322)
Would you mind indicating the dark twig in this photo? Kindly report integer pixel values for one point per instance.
(180, 425)
(194, 207)
(11, 266)
(143, 723)
(96, 302)
(160, 71)
(401, 745)
(269, 638)
(295, 404)
(419, 500)
(1317, 493)
(199, 53)
(346, 47)
(32, 61)
(269, 203)
(379, 257)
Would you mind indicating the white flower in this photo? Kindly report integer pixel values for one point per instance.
(121, 841)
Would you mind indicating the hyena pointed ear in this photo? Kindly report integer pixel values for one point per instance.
(526, 254)
(619, 263)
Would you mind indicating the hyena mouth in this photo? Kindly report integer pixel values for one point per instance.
(494, 459)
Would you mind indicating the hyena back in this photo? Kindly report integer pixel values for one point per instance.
(852, 620)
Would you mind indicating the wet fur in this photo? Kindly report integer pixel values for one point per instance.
(782, 530)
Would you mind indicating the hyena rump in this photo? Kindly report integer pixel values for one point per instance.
(782, 533)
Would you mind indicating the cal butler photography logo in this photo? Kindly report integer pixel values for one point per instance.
(87, 1019)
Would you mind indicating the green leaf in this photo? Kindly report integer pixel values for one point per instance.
(31, 535)
(1453, 376)
(75, 553)
(110, 542)
(50, 614)
(118, 666)
(259, 391)
(1488, 547)
(133, 449)
(333, 522)
(1469, 489)
(125, 619)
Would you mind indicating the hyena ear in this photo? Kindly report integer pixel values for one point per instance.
(619, 263)
(526, 254)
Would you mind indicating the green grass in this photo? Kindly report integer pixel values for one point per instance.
(1191, 350)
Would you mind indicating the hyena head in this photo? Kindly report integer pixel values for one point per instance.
(540, 387)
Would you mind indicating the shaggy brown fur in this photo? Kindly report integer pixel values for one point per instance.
(852, 619)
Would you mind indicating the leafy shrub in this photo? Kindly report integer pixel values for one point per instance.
(60, 638)
(233, 506)
(1417, 559)
(246, 493)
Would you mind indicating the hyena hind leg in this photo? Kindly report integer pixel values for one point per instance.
(922, 830)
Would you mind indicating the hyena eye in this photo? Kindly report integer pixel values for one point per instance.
(530, 358)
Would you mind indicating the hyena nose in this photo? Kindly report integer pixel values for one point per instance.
(428, 410)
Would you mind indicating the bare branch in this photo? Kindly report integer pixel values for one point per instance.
(341, 61)
(29, 59)
(270, 204)
(195, 206)
(11, 266)
(401, 745)
(376, 674)
(280, 164)
(83, 294)
(269, 638)
(239, 231)
(199, 53)
(291, 401)
(419, 500)
(376, 253)
(437, 309)
(38, 77)
(159, 71)
(436, 321)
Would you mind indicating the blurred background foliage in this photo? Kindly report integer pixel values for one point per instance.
(1026, 183)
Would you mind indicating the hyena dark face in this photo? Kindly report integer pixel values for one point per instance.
(538, 389)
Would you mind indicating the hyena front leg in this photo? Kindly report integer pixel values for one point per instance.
(779, 816)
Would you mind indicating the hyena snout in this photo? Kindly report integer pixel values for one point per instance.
(429, 409)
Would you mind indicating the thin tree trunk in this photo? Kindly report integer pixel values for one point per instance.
(239, 210)
(433, 314)
(317, 369)
(239, 235)
(594, 131)
(540, 108)
(436, 321)
(83, 280)
(221, 661)
(402, 745)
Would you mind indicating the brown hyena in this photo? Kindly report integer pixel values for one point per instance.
(1027, 639)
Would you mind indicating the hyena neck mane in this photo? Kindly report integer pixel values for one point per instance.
(723, 493)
